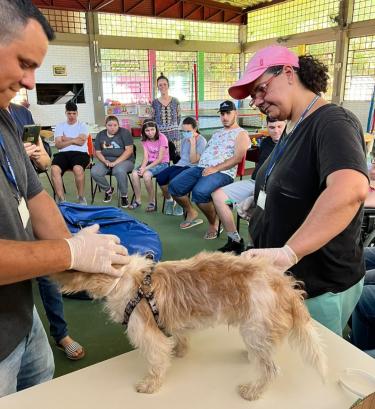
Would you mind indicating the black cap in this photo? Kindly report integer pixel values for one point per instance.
(227, 106)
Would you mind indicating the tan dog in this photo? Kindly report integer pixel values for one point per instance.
(205, 290)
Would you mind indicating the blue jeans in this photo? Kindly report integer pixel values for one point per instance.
(31, 363)
(363, 317)
(53, 305)
(201, 187)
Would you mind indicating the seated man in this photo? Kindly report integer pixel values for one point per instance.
(114, 150)
(71, 140)
(217, 167)
(238, 191)
(192, 146)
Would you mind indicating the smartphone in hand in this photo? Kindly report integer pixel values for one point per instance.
(31, 133)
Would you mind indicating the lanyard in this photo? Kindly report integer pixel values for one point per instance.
(8, 169)
(280, 146)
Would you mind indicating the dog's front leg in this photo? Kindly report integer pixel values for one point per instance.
(157, 348)
(181, 344)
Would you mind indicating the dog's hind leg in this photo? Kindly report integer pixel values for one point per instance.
(157, 349)
(260, 350)
(181, 344)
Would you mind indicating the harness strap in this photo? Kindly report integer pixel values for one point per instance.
(142, 293)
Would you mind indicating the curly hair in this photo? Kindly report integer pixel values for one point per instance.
(312, 73)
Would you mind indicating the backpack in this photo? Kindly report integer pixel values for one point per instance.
(174, 156)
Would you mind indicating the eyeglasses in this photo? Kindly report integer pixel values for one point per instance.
(261, 89)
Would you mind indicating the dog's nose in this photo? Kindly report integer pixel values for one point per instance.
(150, 254)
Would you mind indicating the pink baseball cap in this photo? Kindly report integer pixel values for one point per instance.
(262, 60)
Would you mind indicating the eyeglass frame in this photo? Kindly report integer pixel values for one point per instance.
(264, 87)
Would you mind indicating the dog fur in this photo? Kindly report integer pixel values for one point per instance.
(205, 290)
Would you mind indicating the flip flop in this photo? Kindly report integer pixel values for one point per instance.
(212, 234)
(71, 349)
(134, 205)
(187, 224)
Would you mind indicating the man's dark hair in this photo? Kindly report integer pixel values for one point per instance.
(15, 15)
(71, 106)
(269, 119)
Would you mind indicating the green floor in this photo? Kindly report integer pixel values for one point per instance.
(86, 321)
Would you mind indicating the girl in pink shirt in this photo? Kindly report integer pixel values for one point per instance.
(155, 159)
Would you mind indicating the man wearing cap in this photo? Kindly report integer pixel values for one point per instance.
(217, 167)
(309, 193)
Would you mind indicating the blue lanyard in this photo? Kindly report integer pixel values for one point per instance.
(8, 169)
(281, 145)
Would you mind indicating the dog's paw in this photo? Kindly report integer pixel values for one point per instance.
(147, 385)
(249, 391)
(180, 350)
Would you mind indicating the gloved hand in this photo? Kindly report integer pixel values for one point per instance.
(95, 253)
(282, 257)
(245, 208)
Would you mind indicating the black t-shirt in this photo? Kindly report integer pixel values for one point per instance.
(265, 149)
(329, 139)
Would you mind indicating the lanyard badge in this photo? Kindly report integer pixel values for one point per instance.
(277, 154)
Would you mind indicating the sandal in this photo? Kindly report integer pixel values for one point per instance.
(212, 234)
(71, 349)
(134, 205)
(151, 207)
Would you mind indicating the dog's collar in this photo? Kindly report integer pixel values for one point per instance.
(143, 292)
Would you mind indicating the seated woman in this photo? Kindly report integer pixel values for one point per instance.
(192, 146)
(114, 149)
(155, 160)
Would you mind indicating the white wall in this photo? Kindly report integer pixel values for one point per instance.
(77, 62)
(360, 109)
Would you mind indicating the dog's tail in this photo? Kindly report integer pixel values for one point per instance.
(305, 337)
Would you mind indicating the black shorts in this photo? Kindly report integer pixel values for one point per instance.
(67, 160)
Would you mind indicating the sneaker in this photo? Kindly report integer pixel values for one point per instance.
(82, 200)
(124, 201)
(236, 247)
(60, 200)
(108, 195)
(178, 210)
(168, 207)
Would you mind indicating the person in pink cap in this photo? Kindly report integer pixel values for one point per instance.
(309, 193)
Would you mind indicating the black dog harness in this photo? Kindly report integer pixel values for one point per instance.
(143, 292)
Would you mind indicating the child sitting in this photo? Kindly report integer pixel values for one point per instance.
(155, 159)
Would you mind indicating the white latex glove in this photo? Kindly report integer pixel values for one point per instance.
(282, 257)
(95, 253)
(244, 208)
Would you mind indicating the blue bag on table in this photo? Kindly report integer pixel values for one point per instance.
(136, 236)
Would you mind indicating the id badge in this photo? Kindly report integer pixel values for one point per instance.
(23, 212)
(261, 202)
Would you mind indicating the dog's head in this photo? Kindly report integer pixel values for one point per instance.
(101, 285)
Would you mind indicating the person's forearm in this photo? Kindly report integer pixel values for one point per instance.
(63, 142)
(228, 164)
(101, 157)
(46, 218)
(24, 260)
(331, 214)
(194, 157)
(124, 156)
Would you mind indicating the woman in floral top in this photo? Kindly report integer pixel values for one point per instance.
(167, 112)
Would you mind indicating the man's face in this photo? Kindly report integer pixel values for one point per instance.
(19, 60)
(275, 129)
(228, 118)
(71, 117)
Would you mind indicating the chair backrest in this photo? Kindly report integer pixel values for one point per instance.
(90, 146)
(134, 151)
(241, 167)
(173, 154)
